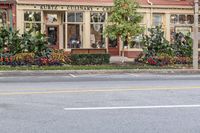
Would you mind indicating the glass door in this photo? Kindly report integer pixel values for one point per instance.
(52, 35)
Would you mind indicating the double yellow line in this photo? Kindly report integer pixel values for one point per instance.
(127, 89)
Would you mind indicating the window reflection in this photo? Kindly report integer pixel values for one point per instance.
(75, 17)
(32, 21)
(97, 20)
(174, 19)
(32, 16)
(182, 19)
(3, 18)
(157, 19)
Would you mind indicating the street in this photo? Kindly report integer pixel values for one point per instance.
(100, 103)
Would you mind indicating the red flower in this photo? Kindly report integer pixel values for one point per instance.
(151, 61)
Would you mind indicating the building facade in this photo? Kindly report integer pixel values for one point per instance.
(80, 23)
(8, 13)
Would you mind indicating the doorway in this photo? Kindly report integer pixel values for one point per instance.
(53, 37)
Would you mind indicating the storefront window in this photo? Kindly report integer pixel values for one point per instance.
(174, 19)
(190, 19)
(97, 23)
(32, 21)
(32, 16)
(181, 19)
(75, 17)
(74, 30)
(2, 18)
(157, 19)
(136, 42)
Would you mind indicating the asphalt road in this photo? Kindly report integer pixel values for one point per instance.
(114, 103)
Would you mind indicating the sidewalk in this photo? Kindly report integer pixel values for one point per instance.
(85, 72)
(119, 59)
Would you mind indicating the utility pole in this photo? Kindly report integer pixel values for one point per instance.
(195, 36)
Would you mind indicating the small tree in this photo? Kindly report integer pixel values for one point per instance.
(124, 20)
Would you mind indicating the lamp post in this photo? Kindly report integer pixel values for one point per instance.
(195, 36)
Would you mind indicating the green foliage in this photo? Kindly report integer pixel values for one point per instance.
(158, 51)
(36, 44)
(182, 45)
(16, 43)
(155, 43)
(4, 35)
(89, 59)
(124, 20)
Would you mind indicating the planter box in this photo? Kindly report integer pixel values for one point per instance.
(88, 51)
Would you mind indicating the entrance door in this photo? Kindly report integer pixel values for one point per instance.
(52, 34)
(113, 47)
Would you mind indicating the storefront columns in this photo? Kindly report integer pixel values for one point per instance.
(20, 23)
(167, 25)
(148, 20)
(86, 30)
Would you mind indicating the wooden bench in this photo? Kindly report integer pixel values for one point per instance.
(89, 51)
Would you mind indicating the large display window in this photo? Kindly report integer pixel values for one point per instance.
(97, 20)
(74, 29)
(3, 16)
(181, 19)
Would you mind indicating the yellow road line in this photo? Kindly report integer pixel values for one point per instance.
(99, 90)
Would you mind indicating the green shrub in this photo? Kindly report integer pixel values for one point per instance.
(182, 45)
(89, 59)
(155, 43)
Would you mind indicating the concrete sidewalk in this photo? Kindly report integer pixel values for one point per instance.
(120, 59)
(84, 72)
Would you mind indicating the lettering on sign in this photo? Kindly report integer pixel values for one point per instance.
(71, 7)
(49, 7)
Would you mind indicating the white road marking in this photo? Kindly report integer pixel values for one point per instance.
(133, 107)
(72, 75)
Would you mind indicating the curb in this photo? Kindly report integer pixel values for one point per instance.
(83, 72)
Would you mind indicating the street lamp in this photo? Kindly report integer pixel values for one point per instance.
(195, 37)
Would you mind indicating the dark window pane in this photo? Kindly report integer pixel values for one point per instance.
(98, 17)
(173, 19)
(190, 19)
(32, 16)
(79, 17)
(71, 17)
(182, 19)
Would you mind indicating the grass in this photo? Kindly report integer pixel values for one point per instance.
(94, 67)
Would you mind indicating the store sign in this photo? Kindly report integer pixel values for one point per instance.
(50, 7)
(71, 7)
